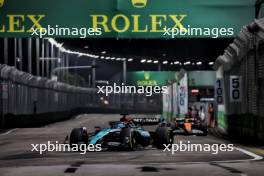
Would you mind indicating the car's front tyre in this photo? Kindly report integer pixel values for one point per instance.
(78, 136)
(163, 136)
(127, 138)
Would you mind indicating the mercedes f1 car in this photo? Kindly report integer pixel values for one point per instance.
(124, 134)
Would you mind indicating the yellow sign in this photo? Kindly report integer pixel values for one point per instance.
(2, 3)
(139, 3)
(147, 81)
(146, 75)
(157, 22)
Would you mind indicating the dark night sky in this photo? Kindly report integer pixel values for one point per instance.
(194, 50)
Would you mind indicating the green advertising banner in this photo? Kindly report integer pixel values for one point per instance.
(167, 109)
(124, 18)
(150, 78)
(201, 78)
(160, 78)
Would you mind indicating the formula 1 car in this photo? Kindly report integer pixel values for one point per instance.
(123, 134)
(189, 126)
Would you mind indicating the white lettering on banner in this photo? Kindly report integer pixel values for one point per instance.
(219, 91)
(175, 99)
(183, 95)
(235, 88)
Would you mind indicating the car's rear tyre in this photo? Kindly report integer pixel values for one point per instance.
(205, 131)
(172, 125)
(78, 136)
(127, 138)
(163, 137)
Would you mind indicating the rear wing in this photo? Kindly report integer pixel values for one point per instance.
(183, 120)
(146, 120)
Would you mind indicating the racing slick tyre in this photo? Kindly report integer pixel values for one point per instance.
(78, 136)
(205, 132)
(172, 125)
(163, 136)
(127, 138)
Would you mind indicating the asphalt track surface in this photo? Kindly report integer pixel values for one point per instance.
(17, 159)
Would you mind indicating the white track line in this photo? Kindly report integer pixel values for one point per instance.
(243, 174)
(8, 132)
(255, 156)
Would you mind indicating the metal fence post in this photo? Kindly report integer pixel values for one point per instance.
(6, 51)
(29, 55)
(37, 56)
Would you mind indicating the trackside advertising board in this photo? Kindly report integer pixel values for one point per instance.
(150, 78)
(175, 102)
(125, 18)
(161, 78)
